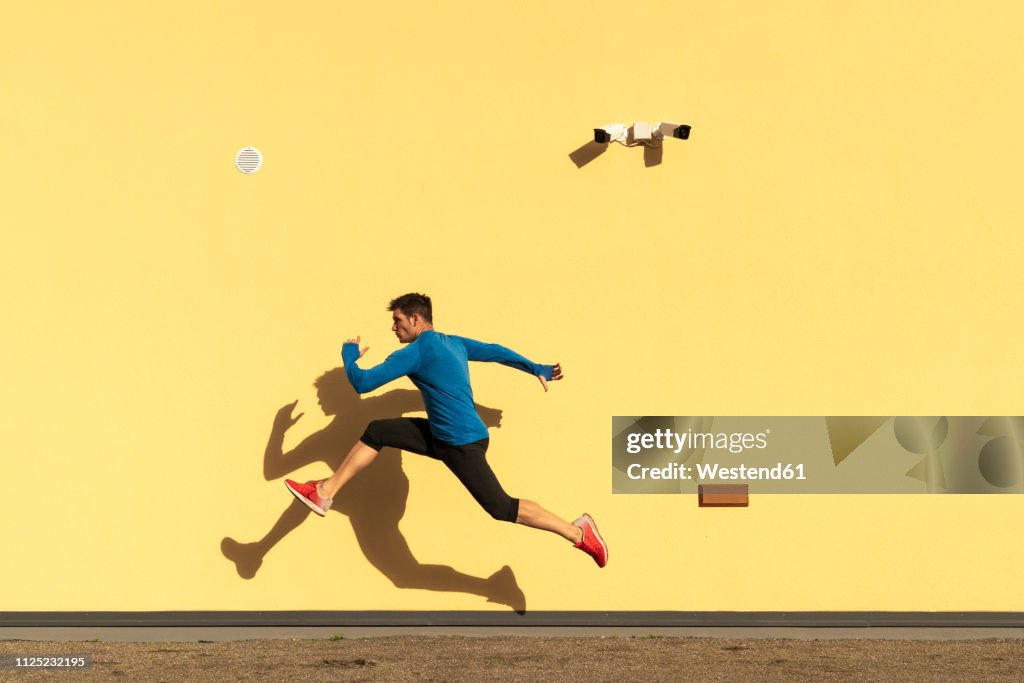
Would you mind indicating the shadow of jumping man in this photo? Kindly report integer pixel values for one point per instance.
(374, 501)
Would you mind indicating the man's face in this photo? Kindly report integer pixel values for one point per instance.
(404, 327)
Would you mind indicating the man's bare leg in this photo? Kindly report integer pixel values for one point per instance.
(358, 458)
(533, 515)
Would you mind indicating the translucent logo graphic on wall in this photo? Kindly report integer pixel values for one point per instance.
(946, 454)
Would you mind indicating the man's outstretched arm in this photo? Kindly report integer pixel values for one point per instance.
(400, 363)
(496, 353)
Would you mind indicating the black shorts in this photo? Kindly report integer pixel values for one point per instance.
(467, 462)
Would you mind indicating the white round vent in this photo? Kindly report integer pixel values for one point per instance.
(249, 160)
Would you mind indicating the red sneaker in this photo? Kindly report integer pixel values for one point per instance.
(592, 543)
(307, 494)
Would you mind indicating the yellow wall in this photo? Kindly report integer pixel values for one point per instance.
(841, 235)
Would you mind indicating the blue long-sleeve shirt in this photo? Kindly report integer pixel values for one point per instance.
(438, 364)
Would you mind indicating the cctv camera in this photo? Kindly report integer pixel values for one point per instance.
(613, 132)
(675, 130)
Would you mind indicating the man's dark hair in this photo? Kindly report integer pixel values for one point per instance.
(413, 303)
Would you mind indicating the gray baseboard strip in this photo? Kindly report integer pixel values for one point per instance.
(472, 618)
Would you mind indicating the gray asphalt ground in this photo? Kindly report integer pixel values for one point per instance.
(226, 634)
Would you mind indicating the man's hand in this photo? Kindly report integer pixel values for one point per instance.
(356, 341)
(283, 420)
(556, 374)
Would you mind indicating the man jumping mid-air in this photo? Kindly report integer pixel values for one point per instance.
(452, 432)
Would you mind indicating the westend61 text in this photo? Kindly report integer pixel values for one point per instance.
(714, 472)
